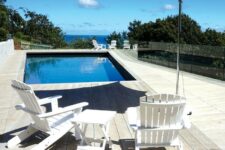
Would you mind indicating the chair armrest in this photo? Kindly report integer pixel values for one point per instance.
(22, 107)
(53, 100)
(64, 110)
(48, 99)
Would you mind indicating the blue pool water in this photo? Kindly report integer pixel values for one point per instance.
(70, 68)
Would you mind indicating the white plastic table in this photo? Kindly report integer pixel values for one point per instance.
(98, 117)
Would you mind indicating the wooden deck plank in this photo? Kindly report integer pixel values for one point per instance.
(194, 134)
(192, 141)
(118, 96)
(72, 143)
(130, 130)
(124, 132)
(114, 135)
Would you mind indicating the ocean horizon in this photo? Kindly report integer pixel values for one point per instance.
(101, 39)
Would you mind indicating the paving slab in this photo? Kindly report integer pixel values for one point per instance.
(202, 93)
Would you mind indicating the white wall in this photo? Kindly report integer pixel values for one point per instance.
(6, 48)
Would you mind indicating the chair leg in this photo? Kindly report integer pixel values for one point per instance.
(81, 134)
(106, 137)
(21, 137)
(45, 143)
(52, 138)
(135, 139)
(77, 127)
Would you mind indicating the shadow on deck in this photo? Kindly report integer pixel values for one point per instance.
(113, 96)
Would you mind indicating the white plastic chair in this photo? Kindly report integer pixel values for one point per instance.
(98, 46)
(112, 45)
(55, 123)
(126, 44)
(158, 121)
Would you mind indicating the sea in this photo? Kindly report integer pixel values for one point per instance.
(101, 39)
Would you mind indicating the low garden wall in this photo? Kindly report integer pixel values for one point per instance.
(6, 49)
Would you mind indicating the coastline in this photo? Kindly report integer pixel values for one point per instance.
(101, 39)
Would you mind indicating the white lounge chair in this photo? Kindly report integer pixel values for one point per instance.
(126, 44)
(158, 121)
(135, 47)
(112, 45)
(55, 123)
(98, 46)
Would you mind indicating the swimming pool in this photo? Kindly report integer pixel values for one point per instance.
(72, 68)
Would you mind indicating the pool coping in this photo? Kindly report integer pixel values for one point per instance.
(54, 86)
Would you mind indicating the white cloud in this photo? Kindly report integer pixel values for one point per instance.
(89, 24)
(88, 3)
(169, 7)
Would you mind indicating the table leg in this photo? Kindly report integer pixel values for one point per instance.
(77, 129)
(105, 130)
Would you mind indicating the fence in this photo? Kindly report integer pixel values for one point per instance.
(6, 48)
(27, 45)
(200, 59)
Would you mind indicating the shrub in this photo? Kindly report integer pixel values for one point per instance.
(82, 44)
(3, 34)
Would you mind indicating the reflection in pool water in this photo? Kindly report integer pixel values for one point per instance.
(66, 69)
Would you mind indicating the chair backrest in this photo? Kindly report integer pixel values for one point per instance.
(157, 137)
(113, 43)
(30, 100)
(94, 42)
(161, 110)
(126, 42)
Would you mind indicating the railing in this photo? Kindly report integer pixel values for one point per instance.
(200, 59)
(28, 45)
(6, 48)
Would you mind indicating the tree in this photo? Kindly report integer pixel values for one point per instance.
(16, 22)
(166, 30)
(82, 44)
(119, 37)
(3, 21)
(3, 34)
(191, 31)
(2, 2)
(135, 30)
(212, 37)
(37, 28)
(41, 30)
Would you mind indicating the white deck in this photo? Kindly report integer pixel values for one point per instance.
(205, 96)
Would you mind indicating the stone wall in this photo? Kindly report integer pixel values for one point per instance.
(6, 49)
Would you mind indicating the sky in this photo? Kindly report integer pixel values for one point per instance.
(102, 17)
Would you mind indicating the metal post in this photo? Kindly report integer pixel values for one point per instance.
(178, 49)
